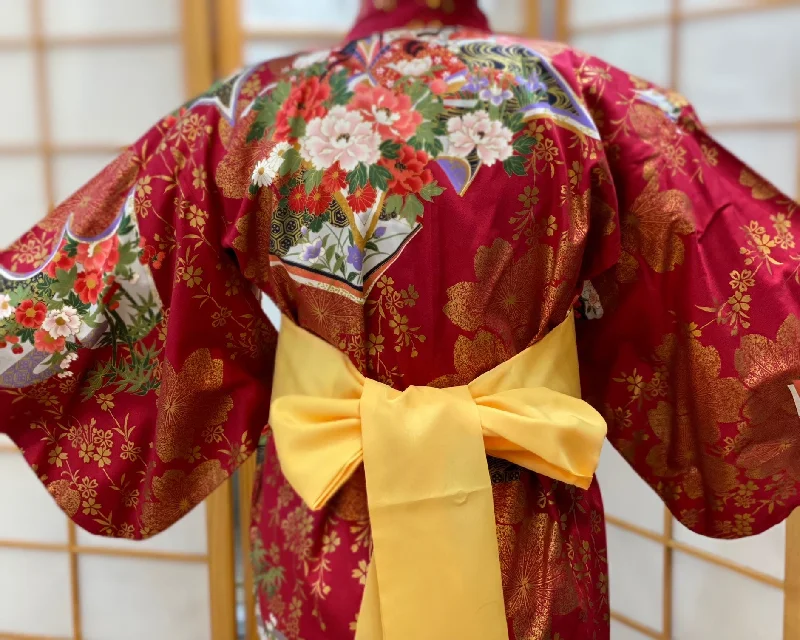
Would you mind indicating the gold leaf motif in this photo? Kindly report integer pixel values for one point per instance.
(772, 439)
(253, 241)
(65, 496)
(654, 226)
(760, 188)
(329, 314)
(175, 494)
(190, 402)
(472, 358)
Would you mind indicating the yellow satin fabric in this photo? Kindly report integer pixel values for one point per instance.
(435, 570)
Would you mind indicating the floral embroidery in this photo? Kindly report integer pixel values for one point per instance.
(88, 293)
(348, 161)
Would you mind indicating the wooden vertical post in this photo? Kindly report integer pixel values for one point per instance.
(221, 563)
(533, 18)
(247, 478)
(196, 36)
(229, 35)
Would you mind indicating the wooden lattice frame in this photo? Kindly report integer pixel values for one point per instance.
(195, 38)
(791, 584)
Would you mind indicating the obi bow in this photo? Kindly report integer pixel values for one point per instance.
(435, 569)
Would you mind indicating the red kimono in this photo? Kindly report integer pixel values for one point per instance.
(431, 202)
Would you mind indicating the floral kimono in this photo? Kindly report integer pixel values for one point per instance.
(430, 199)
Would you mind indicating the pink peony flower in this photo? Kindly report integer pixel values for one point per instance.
(477, 130)
(391, 113)
(342, 136)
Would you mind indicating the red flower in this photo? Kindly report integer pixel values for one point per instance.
(88, 286)
(95, 256)
(318, 201)
(306, 102)
(108, 296)
(60, 260)
(335, 179)
(43, 341)
(113, 255)
(148, 252)
(362, 199)
(159, 261)
(12, 339)
(17, 348)
(392, 113)
(298, 199)
(31, 315)
(409, 171)
(438, 86)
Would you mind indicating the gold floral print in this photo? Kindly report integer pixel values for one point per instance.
(176, 493)
(191, 402)
(653, 229)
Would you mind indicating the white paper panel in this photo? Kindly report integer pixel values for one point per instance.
(259, 50)
(723, 60)
(592, 12)
(626, 495)
(702, 5)
(23, 202)
(72, 171)
(28, 512)
(620, 631)
(132, 599)
(765, 553)
(95, 17)
(712, 602)
(772, 153)
(187, 536)
(643, 52)
(111, 95)
(35, 593)
(18, 111)
(335, 15)
(636, 576)
(509, 16)
(16, 20)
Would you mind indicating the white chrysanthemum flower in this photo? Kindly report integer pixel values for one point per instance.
(267, 170)
(6, 310)
(62, 323)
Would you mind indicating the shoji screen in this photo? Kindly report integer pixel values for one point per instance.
(738, 61)
(81, 79)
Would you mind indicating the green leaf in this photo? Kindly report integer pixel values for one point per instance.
(412, 209)
(431, 107)
(312, 179)
(379, 177)
(315, 224)
(371, 246)
(524, 144)
(515, 122)
(394, 204)
(514, 166)
(358, 177)
(352, 276)
(291, 162)
(253, 189)
(340, 93)
(339, 264)
(416, 90)
(62, 286)
(430, 191)
(298, 127)
(329, 253)
(426, 139)
(267, 108)
(390, 149)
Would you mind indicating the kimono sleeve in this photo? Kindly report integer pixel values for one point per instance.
(691, 347)
(135, 360)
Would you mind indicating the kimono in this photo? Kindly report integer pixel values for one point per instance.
(430, 199)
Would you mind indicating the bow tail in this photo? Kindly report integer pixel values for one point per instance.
(435, 571)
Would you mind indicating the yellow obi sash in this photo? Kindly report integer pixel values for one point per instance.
(435, 569)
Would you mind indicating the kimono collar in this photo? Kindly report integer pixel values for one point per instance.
(384, 15)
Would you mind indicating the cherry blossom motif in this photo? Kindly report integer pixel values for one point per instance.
(6, 310)
(67, 361)
(88, 286)
(415, 67)
(490, 138)
(391, 113)
(99, 256)
(310, 59)
(342, 136)
(267, 170)
(593, 307)
(31, 314)
(43, 341)
(60, 260)
(62, 323)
